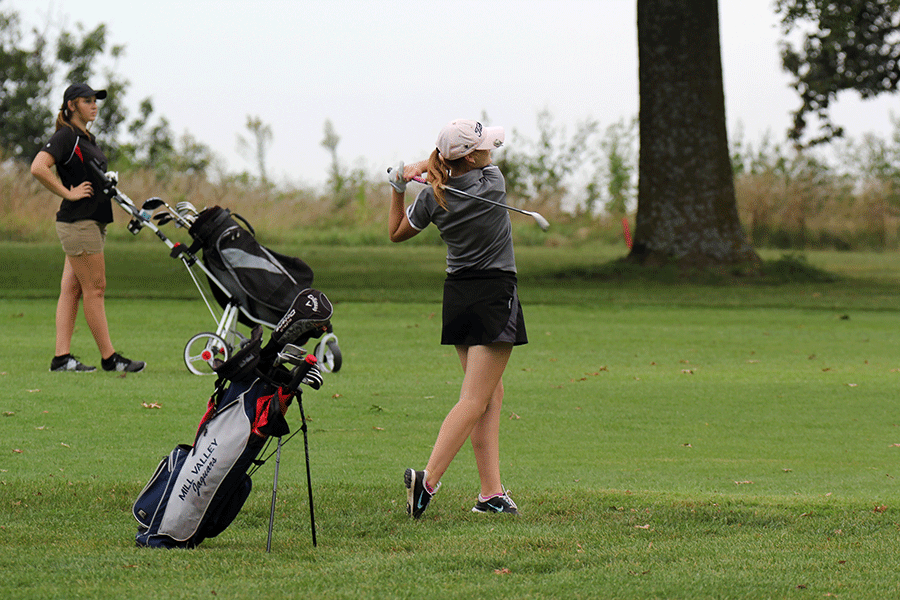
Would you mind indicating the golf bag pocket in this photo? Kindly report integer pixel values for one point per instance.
(197, 491)
(154, 498)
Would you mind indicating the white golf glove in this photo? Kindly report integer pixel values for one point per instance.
(395, 178)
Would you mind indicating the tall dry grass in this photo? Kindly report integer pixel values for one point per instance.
(817, 213)
(796, 211)
(278, 214)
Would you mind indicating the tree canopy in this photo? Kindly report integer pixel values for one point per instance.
(845, 46)
(36, 67)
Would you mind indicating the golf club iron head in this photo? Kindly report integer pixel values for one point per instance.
(290, 354)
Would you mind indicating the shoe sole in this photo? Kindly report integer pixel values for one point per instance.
(494, 512)
(408, 480)
(124, 370)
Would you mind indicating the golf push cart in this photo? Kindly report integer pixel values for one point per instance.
(251, 284)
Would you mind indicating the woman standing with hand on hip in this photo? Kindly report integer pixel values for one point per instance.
(81, 226)
(482, 316)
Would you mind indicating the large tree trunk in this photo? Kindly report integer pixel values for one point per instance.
(686, 203)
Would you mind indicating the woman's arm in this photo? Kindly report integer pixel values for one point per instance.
(399, 227)
(42, 169)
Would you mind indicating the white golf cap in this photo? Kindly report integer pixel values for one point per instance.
(463, 136)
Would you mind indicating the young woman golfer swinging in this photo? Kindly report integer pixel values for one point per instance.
(482, 316)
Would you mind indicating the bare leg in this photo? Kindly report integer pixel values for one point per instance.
(90, 271)
(485, 439)
(67, 309)
(478, 406)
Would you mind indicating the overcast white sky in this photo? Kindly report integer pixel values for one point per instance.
(388, 75)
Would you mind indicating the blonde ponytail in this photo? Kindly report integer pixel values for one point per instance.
(438, 173)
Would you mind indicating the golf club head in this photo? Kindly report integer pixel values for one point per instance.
(290, 354)
(152, 204)
(310, 311)
(184, 208)
(543, 223)
(162, 218)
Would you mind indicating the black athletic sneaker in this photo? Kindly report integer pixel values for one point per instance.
(496, 504)
(417, 497)
(67, 362)
(117, 362)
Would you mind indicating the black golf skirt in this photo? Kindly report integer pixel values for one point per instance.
(482, 307)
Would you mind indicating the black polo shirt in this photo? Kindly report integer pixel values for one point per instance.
(73, 150)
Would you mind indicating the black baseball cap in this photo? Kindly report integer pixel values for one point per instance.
(82, 90)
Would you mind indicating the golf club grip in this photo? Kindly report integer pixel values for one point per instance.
(416, 179)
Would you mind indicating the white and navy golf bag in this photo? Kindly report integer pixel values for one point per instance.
(197, 491)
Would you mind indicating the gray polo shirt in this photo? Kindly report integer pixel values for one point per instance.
(478, 235)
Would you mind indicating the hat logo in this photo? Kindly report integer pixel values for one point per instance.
(478, 129)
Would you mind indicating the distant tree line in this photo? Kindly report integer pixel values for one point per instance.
(36, 67)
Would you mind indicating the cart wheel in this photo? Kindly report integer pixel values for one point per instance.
(329, 354)
(200, 351)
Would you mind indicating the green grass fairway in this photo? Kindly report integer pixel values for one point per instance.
(661, 440)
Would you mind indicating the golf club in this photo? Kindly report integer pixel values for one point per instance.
(187, 211)
(290, 354)
(539, 219)
(163, 217)
(151, 204)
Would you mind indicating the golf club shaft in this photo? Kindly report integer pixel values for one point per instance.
(542, 222)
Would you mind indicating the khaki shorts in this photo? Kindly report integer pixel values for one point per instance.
(81, 237)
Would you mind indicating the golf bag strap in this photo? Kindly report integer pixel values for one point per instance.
(246, 224)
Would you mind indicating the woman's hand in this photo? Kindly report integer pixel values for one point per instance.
(414, 170)
(79, 192)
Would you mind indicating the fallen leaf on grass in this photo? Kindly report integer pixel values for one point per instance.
(335, 396)
(642, 526)
(743, 482)
(8, 413)
(880, 508)
(64, 445)
(151, 404)
(687, 371)
(32, 391)
(514, 416)
(378, 428)
(503, 571)
(17, 451)
(852, 384)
